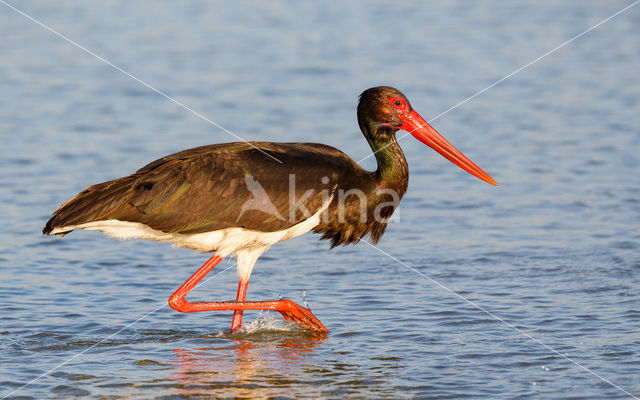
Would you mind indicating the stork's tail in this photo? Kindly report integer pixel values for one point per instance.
(94, 203)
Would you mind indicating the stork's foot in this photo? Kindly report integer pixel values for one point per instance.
(300, 315)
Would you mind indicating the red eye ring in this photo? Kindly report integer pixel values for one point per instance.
(399, 103)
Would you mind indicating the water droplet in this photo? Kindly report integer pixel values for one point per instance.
(304, 299)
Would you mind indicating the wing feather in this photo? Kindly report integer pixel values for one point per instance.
(204, 189)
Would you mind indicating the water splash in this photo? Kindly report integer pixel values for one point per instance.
(304, 299)
(266, 321)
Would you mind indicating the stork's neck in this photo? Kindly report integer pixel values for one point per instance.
(393, 171)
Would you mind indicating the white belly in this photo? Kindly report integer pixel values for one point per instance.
(247, 245)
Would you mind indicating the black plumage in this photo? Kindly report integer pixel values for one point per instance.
(203, 189)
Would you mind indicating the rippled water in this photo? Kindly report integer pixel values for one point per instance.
(553, 251)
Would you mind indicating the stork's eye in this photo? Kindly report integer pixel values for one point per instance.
(398, 103)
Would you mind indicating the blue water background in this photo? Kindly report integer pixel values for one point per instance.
(553, 251)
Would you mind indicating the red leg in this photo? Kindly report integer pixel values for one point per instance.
(288, 309)
(237, 315)
(177, 301)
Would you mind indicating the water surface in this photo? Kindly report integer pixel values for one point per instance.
(553, 251)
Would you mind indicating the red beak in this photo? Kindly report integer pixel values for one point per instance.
(421, 130)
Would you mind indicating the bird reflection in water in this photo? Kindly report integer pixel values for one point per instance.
(251, 367)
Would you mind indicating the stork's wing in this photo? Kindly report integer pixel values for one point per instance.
(214, 187)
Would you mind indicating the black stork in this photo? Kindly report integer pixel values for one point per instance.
(241, 198)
